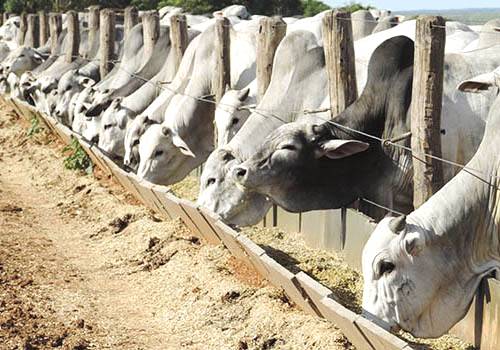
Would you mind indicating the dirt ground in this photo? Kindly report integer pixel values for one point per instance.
(82, 266)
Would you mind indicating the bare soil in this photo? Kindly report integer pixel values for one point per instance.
(82, 266)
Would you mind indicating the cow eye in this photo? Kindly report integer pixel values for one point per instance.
(135, 143)
(107, 126)
(158, 153)
(289, 147)
(210, 181)
(234, 121)
(385, 267)
(68, 88)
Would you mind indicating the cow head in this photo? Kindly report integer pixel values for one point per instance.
(412, 279)
(113, 125)
(290, 156)
(9, 30)
(161, 151)
(220, 193)
(132, 139)
(228, 117)
(71, 83)
(23, 59)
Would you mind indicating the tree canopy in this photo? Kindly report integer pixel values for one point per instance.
(261, 7)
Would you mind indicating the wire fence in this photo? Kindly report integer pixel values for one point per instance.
(165, 86)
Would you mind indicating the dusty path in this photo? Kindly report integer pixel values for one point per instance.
(83, 267)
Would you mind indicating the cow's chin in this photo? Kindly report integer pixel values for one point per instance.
(252, 213)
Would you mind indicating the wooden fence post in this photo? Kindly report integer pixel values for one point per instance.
(427, 97)
(55, 29)
(93, 25)
(131, 18)
(32, 38)
(150, 31)
(5, 17)
(2, 19)
(44, 27)
(22, 29)
(340, 63)
(271, 32)
(107, 41)
(178, 37)
(73, 36)
(223, 64)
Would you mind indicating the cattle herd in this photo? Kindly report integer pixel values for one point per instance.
(420, 270)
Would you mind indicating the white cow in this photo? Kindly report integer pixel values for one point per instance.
(421, 271)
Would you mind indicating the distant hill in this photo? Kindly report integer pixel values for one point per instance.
(469, 16)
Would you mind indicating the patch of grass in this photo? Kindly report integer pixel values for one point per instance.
(76, 158)
(35, 127)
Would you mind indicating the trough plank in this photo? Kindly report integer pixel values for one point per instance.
(188, 213)
(199, 220)
(171, 204)
(254, 253)
(230, 239)
(344, 319)
(314, 290)
(281, 277)
(378, 337)
(159, 192)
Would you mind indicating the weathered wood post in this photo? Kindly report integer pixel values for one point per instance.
(44, 27)
(222, 75)
(22, 29)
(2, 19)
(73, 36)
(5, 17)
(178, 37)
(131, 18)
(427, 97)
(271, 31)
(340, 63)
(32, 38)
(150, 31)
(93, 26)
(55, 28)
(107, 38)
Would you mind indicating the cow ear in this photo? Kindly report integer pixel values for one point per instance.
(37, 57)
(243, 94)
(398, 225)
(86, 81)
(479, 83)
(182, 146)
(413, 244)
(337, 149)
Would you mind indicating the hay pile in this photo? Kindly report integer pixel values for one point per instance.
(187, 188)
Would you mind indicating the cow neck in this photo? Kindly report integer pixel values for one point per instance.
(466, 212)
(381, 177)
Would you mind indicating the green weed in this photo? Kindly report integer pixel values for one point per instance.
(76, 158)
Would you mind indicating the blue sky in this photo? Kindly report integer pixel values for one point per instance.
(419, 5)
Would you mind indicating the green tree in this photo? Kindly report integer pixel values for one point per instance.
(356, 6)
(313, 7)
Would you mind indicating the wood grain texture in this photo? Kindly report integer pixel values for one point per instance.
(44, 27)
(55, 28)
(271, 31)
(130, 19)
(427, 97)
(32, 38)
(107, 38)
(73, 36)
(339, 56)
(222, 75)
(178, 37)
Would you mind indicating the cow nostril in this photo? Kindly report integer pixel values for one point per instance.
(94, 139)
(240, 172)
